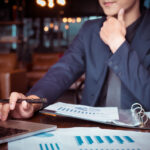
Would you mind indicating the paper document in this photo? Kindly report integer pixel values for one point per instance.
(84, 139)
(98, 114)
(148, 114)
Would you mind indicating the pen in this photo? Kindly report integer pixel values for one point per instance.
(48, 112)
(54, 115)
(40, 100)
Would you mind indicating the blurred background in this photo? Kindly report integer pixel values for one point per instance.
(43, 25)
(34, 34)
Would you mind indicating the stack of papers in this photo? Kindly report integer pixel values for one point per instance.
(97, 114)
(84, 139)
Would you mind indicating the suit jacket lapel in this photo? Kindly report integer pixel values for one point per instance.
(141, 41)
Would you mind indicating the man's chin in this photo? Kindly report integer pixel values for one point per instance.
(111, 13)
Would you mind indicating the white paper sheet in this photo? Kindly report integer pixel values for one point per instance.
(84, 139)
(98, 114)
(148, 114)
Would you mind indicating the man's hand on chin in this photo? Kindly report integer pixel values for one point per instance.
(113, 31)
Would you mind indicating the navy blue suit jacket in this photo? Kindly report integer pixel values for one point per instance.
(88, 54)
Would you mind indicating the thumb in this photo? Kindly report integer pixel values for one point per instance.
(121, 15)
(26, 106)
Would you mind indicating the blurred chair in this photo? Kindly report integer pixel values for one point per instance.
(41, 62)
(11, 78)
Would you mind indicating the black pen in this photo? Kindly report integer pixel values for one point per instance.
(40, 100)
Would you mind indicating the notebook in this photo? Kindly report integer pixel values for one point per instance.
(133, 118)
(11, 130)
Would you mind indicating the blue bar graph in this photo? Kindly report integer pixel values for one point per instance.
(63, 109)
(89, 139)
(46, 146)
(52, 147)
(57, 146)
(99, 139)
(118, 138)
(79, 140)
(81, 108)
(129, 139)
(103, 140)
(49, 147)
(78, 110)
(67, 109)
(59, 108)
(41, 148)
(109, 139)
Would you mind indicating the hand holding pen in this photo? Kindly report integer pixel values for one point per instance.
(20, 106)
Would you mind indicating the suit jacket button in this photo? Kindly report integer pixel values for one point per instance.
(115, 67)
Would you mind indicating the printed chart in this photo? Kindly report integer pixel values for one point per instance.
(99, 114)
(84, 139)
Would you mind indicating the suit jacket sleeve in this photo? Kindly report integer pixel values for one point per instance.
(60, 76)
(133, 72)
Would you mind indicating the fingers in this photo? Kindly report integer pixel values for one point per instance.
(23, 110)
(19, 110)
(4, 111)
(13, 99)
(0, 111)
(7, 107)
(121, 16)
(26, 106)
(26, 110)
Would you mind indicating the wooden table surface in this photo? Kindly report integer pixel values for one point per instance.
(66, 122)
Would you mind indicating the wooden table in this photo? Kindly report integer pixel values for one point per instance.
(65, 122)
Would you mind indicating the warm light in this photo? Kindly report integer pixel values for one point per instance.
(6, 1)
(61, 2)
(50, 3)
(66, 26)
(51, 25)
(42, 3)
(64, 20)
(56, 27)
(78, 19)
(14, 7)
(73, 20)
(46, 28)
(69, 20)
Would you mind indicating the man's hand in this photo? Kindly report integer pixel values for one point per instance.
(113, 31)
(18, 110)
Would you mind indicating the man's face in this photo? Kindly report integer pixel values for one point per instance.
(112, 7)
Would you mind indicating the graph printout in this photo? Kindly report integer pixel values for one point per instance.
(84, 139)
(98, 114)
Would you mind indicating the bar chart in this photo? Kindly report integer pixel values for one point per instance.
(99, 114)
(49, 146)
(93, 143)
(89, 140)
(81, 138)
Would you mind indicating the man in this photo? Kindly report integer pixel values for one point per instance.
(116, 45)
